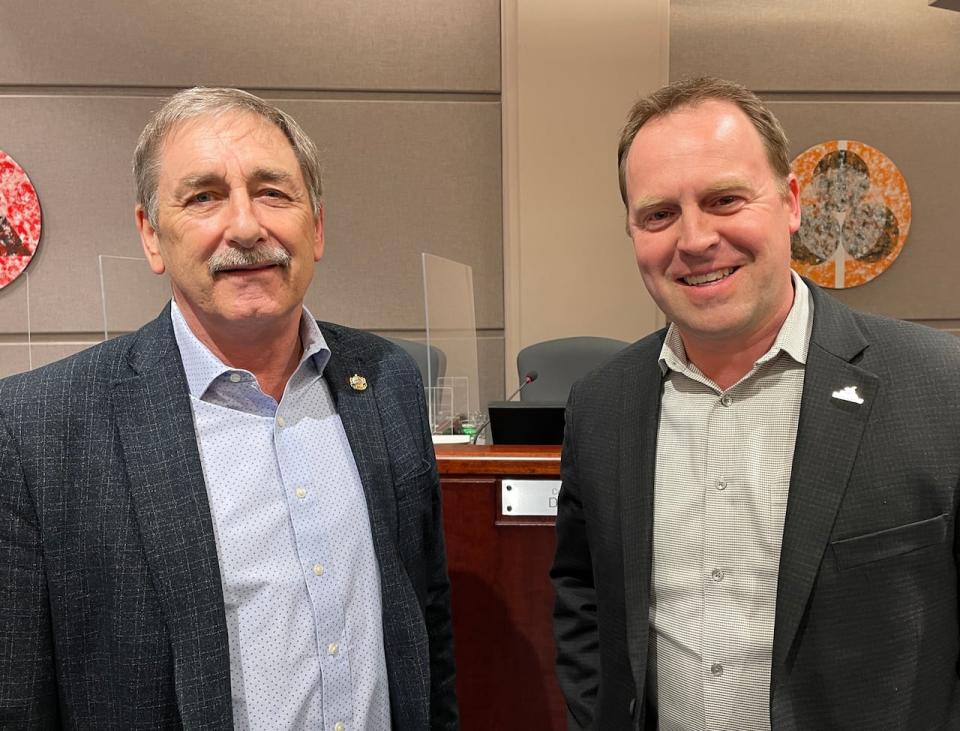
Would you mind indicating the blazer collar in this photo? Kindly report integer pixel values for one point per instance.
(151, 407)
(829, 433)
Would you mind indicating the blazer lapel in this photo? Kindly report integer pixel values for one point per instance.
(361, 421)
(830, 429)
(155, 426)
(405, 640)
(640, 389)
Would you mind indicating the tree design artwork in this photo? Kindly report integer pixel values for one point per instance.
(20, 220)
(855, 214)
(10, 243)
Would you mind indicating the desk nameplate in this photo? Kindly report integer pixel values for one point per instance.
(529, 497)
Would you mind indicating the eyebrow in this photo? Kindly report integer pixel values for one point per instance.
(206, 180)
(721, 186)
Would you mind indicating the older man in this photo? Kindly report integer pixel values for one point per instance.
(230, 517)
(757, 524)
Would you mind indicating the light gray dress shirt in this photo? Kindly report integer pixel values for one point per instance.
(300, 579)
(722, 478)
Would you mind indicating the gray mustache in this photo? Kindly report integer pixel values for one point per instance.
(234, 258)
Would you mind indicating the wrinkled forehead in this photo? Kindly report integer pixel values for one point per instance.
(230, 127)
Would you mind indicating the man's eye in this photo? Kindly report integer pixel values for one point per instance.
(201, 198)
(272, 193)
(726, 200)
(656, 220)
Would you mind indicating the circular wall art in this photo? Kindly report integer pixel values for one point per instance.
(855, 213)
(19, 220)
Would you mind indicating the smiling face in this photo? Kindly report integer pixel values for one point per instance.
(235, 227)
(711, 225)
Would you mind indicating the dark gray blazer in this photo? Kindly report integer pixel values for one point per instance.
(111, 609)
(866, 626)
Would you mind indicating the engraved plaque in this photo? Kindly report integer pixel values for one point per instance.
(529, 497)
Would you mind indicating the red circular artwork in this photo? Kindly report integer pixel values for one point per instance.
(19, 220)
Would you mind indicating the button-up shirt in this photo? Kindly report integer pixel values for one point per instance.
(300, 579)
(722, 478)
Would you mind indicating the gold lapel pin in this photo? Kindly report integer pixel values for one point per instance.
(358, 382)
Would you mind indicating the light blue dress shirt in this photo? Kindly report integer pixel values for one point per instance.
(300, 579)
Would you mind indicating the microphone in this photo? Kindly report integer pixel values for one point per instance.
(528, 378)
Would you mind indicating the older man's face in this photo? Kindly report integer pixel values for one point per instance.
(235, 227)
(710, 227)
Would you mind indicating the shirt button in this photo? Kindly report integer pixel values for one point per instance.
(235, 377)
(726, 400)
(716, 575)
(332, 648)
(281, 422)
(716, 670)
(721, 484)
(318, 569)
(338, 726)
(301, 493)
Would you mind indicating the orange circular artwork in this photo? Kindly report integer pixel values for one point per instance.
(19, 220)
(855, 213)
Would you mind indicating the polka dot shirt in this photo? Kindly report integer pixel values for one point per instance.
(300, 579)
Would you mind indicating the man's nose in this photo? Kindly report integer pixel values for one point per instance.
(243, 227)
(698, 232)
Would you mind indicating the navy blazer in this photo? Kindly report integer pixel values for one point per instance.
(866, 624)
(111, 608)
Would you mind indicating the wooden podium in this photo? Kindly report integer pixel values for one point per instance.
(500, 589)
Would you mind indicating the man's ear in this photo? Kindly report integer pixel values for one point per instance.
(150, 240)
(318, 243)
(793, 201)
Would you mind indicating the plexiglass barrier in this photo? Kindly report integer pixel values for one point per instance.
(130, 296)
(130, 293)
(451, 327)
(16, 353)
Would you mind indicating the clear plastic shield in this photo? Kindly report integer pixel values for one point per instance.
(16, 355)
(131, 294)
(452, 327)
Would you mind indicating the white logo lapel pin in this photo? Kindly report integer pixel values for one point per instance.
(849, 394)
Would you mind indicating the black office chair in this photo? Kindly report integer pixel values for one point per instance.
(559, 363)
(438, 359)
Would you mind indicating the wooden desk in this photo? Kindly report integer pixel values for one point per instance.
(500, 590)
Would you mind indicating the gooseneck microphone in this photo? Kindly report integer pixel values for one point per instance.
(528, 378)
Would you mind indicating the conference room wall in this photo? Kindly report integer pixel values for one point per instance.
(402, 98)
(570, 73)
(884, 72)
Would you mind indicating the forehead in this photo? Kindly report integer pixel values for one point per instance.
(709, 134)
(215, 142)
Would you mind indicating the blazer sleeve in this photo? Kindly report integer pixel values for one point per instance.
(575, 612)
(443, 692)
(28, 691)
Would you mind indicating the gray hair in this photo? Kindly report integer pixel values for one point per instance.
(198, 102)
(691, 92)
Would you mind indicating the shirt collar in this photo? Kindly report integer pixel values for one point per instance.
(202, 367)
(793, 338)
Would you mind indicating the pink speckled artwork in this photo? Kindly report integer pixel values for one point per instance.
(19, 220)
(855, 213)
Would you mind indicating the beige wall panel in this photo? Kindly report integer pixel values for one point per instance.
(77, 152)
(309, 44)
(14, 358)
(18, 357)
(571, 71)
(922, 140)
(14, 306)
(820, 45)
(401, 178)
